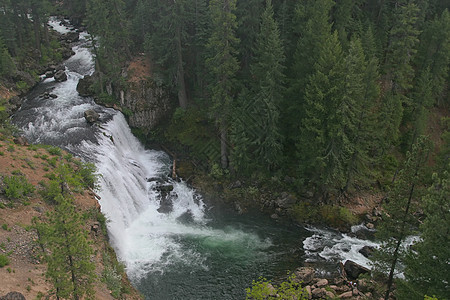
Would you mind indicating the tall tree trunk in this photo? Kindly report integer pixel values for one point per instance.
(37, 28)
(399, 243)
(72, 268)
(182, 95)
(223, 144)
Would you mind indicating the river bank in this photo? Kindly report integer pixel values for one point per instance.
(25, 270)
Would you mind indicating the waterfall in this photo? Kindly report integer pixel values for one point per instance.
(161, 229)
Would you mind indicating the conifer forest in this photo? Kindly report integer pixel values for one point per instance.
(325, 99)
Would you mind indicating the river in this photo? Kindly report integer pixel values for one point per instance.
(194, 251)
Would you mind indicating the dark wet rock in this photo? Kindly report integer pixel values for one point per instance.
(91, 116)
(164, 188)
(353, 270)
(60, 76)
(367, 251)
(49, 74)
(53, 96)
(165, 205)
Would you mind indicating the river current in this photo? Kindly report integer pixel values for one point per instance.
(196, 250)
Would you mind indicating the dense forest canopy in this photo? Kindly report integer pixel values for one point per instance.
(335, 96)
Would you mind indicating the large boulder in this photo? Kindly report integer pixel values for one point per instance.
(91, 116)
(60, 76)
(353, 270)
(305, 275)
(84, 86)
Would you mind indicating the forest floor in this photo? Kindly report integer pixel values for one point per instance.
(25, 272)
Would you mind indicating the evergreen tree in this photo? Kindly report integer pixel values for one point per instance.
(434, 55)
(108, 27)
(69, 267)
(165, 42)
(398, 221)
(313, 26)
(223, 66)
(248, 14)
(403, 38)
(261, 129)
(360, 95)
(6, 63)
(324, 147)
(427, 269)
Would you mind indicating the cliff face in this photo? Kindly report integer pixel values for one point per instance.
(148, 104)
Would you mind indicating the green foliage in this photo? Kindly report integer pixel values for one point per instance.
(17, 187)
(112, 275)
(255, 123)
(330, 215)
(4, 260)
(264, 289)
(399, 219)
(54, 150)
(427, 269)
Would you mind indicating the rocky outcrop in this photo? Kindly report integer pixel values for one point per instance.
(85, 86)
(13, 296)
(148, 103)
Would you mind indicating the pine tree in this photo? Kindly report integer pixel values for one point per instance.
(248, 13)
(313, 26)
(427, 270)
(261, 129)
(360, 95)
(398, 221)
(434, 55)
(69, 267)
(6, 63)
(109, 29)
(403, 39)
(223, 66)
(323, 148)
(165, 42)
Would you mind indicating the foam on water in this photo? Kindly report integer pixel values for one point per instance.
(334, 246)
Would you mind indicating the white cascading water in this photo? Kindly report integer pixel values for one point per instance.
(144, 238)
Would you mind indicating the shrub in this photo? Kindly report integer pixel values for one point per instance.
(54, 151)
(88, 175)
(289, 289)
(4, 260)
(17, 187)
